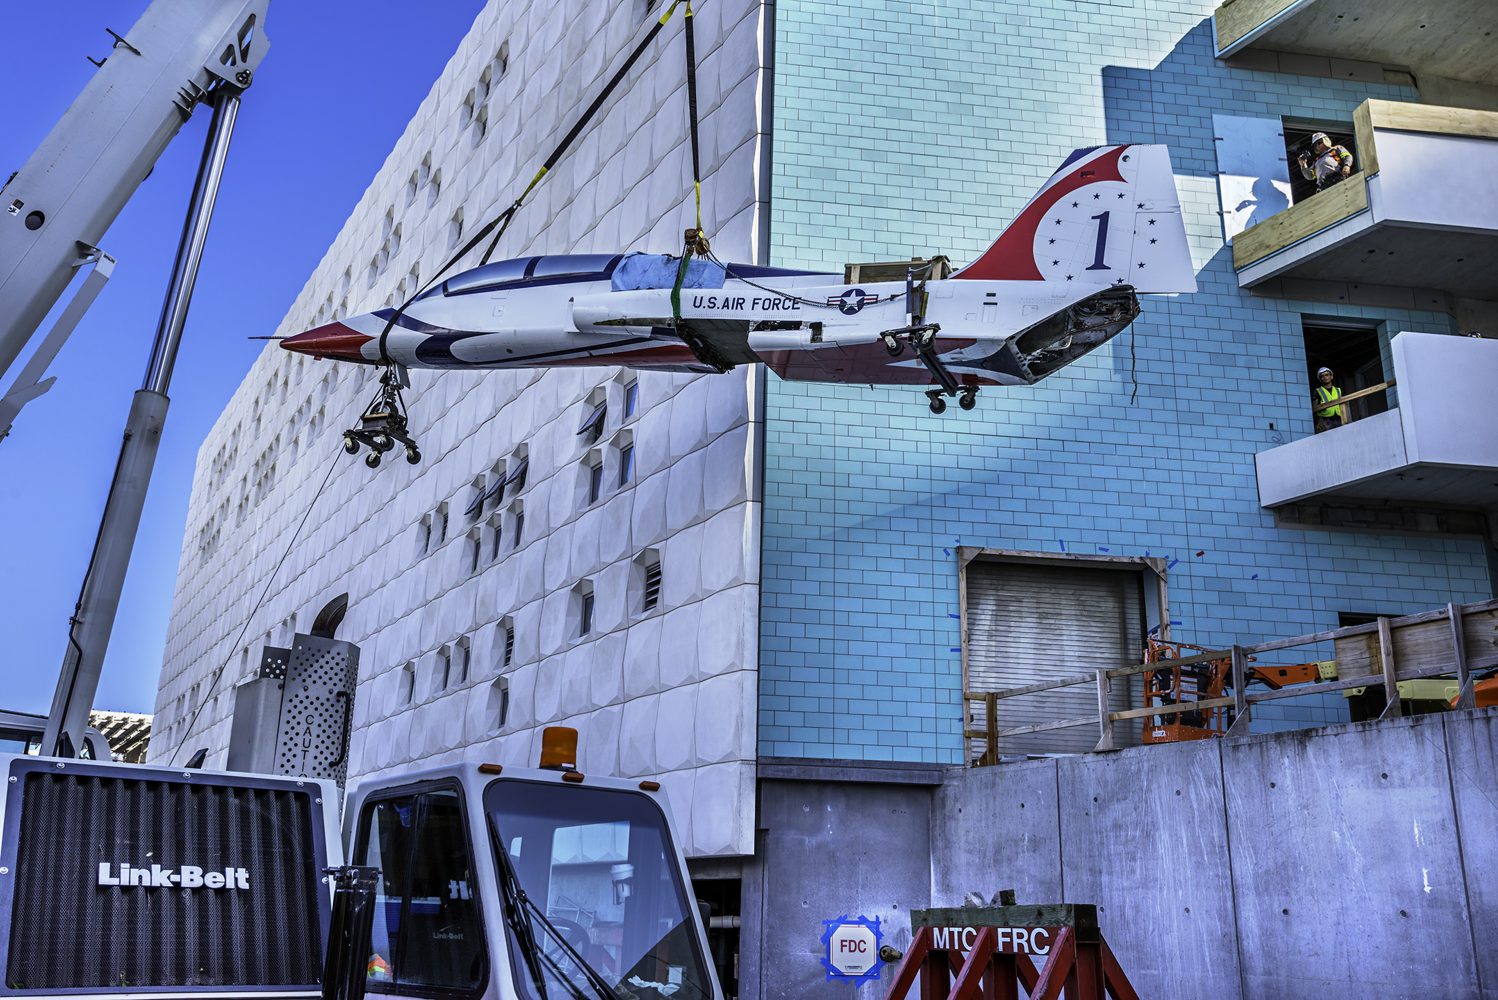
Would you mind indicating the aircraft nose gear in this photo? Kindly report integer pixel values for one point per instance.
(383, 424)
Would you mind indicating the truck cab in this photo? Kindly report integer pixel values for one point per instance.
(535, 884)
(469, 881)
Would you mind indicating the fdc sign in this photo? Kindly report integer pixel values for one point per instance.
(852, 949)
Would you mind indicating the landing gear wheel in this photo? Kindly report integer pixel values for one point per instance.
(893, 347)
(938, 405)
(372, 460)
(350, 445)
(413, 456)
(968, 399)
(381, 442)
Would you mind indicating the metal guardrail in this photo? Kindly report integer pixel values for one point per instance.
(1435, 644)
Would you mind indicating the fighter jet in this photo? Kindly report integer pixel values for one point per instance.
(1061, 280)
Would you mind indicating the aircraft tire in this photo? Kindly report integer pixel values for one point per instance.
(350, 445)
(372, 460)
(938, 405)
(413, 456)
(968, 400)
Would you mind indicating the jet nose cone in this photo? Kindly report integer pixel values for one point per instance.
(333, 340)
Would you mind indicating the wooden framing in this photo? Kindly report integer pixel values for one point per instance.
(1385, 653)
(1236, 19)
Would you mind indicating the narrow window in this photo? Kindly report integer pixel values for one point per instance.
(652, 585)
(464, 661)
(519, 531)
(444, 667)
(591, 428)
(508, 656)
(440, 526)
(499, 701)
(407, 683)
(475, 550)
(496, 536)
(426, 533)
(585, 619)
(626, 464)
(595, 482)
(631, 399)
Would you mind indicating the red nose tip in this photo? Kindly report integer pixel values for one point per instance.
(334, 340)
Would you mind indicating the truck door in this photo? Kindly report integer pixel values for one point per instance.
(428, 936)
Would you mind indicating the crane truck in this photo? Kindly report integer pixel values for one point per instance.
(467, 880)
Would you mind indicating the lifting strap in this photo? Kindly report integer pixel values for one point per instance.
(501, 222)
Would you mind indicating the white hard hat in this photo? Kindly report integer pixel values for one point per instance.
(1319, 137)
(1323, 369)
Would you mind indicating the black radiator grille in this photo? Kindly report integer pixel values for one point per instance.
(69, 932)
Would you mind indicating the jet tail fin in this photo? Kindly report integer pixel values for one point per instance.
(1109, 215)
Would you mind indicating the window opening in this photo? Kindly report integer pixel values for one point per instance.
(464, 661)
(496, 536)
(499, 702)
(595, 482)
(444, 667)
(592, 425)
(1355, 359)
(407, 683)
(631, 398)
(626, 464)
(507, 657)
(1298, 145)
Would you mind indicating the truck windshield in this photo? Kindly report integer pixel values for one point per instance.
(601, 866)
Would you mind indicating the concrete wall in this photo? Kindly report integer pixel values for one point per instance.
(668, 693)
(1344, 862)
(946, 119)
(832, 841)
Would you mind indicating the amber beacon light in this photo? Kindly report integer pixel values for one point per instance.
(559, 748)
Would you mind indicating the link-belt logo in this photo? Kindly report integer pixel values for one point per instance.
(185, 877)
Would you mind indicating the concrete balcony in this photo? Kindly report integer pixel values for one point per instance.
(1443, 38)
(1421, 212)
(1439, 446)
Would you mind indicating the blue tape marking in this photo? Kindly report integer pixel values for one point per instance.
(1171, 564)
(1104, 548)
(953, 614)
(947, 551)
(1254, 577)
(1175, 621)
(1061, 542)
(829, 928)
(954, 649)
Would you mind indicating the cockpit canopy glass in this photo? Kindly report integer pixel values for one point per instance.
(502, 273)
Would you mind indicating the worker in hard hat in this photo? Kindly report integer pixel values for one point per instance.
(1326, 163)
(1331, 413)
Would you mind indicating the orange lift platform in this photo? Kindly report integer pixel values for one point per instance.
(1195, 673)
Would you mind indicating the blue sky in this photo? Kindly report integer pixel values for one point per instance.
(340, 82)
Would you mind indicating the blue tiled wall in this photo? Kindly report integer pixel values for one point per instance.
(912, 127)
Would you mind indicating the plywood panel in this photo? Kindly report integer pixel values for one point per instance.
(1431, 118)
(1320, 211)
(1237, 18)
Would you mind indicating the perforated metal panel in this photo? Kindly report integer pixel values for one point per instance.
(317, 708)
(273, 662)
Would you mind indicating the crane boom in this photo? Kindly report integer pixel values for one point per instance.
(56, 208)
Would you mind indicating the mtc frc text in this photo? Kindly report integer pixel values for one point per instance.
(1011, 940)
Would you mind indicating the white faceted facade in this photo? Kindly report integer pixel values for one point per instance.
(477, 630)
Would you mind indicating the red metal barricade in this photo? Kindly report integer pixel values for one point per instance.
(990, 950)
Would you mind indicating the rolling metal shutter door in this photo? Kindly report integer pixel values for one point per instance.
(1032, 623)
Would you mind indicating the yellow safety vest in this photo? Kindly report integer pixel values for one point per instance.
(1325, 395)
